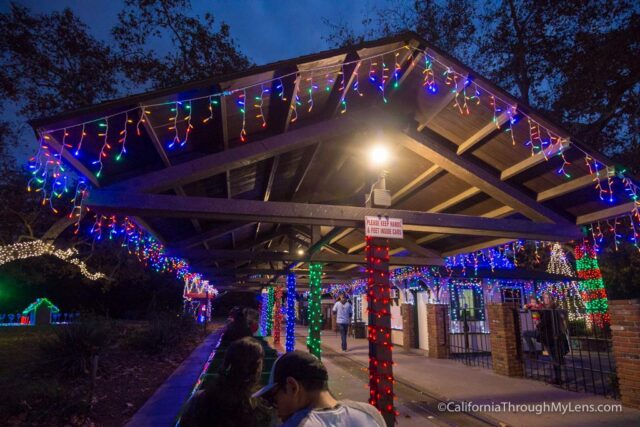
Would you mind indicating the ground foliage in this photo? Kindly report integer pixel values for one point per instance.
(42, 382)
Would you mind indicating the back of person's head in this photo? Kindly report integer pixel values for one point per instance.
(238, 326)
(242, 364)
(295, 378)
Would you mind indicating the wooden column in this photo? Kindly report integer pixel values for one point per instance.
(438, 330)
(409, 337)
(506, 351)
(625, 331)
(380, 347)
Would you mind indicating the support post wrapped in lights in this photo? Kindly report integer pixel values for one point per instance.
(277, 313)
(380, 347)
(269, 321)
(315, 312)
(264, 316)
(592, 288)
(291, 312)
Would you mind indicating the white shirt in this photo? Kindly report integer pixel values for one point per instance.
(346, 414)
(343, 312)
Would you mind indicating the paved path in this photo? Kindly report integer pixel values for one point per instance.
(437, 380)
(162, 408)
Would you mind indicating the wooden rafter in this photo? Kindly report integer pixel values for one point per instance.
(570, 186)
(604, 214)
(534, 160)
(489, 131)
(222, 254)
(315, 214)
(213, 164)
(435, 148)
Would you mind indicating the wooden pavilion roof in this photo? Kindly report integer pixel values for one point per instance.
(239, 211)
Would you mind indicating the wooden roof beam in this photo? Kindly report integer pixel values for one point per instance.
(411, 187)
(570, 186)
(496, 213)
(608, 213)
(489, 131)
(218, 254)
(216, 163)
(267, 190)
(467, 194)
(439, 108)
(117, 202)
(476, 247)
(534, 160)
(435, 148)
(212, 234)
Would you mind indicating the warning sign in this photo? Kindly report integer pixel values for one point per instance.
(380, 226)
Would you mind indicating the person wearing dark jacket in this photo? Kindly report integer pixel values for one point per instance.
(228, 402)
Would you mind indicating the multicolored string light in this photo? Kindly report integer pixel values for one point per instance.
(315, 310)
(291, 312)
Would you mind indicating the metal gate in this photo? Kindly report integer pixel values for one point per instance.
(570, 353)
(469, 340)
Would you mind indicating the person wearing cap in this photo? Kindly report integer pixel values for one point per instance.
(298, 388)
(343, 311)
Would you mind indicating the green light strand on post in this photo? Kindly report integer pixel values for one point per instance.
(315, 311)
(270, 302)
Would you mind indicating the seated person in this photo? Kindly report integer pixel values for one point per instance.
(298, 389)
(237, 326)
(228, 402)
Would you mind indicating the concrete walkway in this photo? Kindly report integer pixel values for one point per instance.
(447, 380)
(163, 406)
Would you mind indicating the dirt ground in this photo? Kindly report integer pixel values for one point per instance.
(126, 379)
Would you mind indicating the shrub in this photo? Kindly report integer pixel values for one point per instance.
(164, 331)
(70, 349)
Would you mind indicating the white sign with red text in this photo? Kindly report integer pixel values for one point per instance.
(381, 226)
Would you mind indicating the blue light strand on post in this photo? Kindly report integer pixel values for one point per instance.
(291, 312)
(264, 314)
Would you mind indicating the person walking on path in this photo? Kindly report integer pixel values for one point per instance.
(343, 311)
(299, 390)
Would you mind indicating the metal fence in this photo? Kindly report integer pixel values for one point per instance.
(570, 353)
(469, 340)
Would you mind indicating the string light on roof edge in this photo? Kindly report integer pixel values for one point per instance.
(47, 164)
(291, 312)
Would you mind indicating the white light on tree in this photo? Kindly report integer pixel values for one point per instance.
(558, 263)
(36, 248)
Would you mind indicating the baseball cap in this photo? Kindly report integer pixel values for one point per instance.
(296, 364)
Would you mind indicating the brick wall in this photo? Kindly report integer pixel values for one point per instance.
(438, 330)
(625, 331)
(409, 337)
(505, 345)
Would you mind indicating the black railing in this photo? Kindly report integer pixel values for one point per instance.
(567, 352)
(469, 340)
